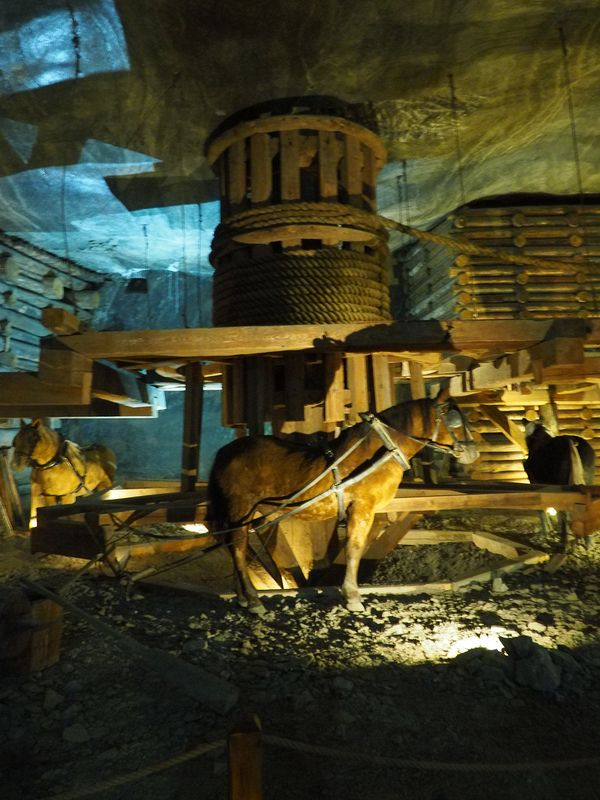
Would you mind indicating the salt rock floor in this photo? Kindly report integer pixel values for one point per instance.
(403, 700)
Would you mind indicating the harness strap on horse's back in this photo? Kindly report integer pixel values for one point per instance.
(380, 429)
(338, 486)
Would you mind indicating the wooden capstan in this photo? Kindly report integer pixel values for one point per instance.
(299, 243)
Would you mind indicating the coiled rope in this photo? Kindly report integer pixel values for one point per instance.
(301, 285)
(333, 284)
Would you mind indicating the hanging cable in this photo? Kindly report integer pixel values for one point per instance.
(565, 59)
(459, 156)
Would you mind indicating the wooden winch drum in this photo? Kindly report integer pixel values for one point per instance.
(299, 242)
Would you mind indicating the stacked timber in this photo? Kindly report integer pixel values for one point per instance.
(440, 285)
(31, 280)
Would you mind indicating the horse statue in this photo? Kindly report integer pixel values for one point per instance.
(60, 470)
(356, 476)
(563, 460)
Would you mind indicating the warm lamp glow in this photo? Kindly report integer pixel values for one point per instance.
(195, 527)
(552, 512)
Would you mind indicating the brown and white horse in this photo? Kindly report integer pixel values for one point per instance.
(357, 478)
(60, 470)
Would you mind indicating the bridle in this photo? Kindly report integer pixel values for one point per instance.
(447, 413)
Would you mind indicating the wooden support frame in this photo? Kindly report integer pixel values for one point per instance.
(192, 426)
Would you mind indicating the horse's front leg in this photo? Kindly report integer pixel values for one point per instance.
(360, 521)
(37, 500)
(247, 594)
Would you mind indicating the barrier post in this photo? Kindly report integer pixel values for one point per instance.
(244, 746)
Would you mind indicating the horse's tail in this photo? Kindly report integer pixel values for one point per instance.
(576, 473)
(217, 511)
(104, 457)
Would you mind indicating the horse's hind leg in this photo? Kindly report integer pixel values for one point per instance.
(246, 592)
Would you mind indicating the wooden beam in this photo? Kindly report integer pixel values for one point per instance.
(472, 337)
(95, 408)
(19, 389)
(61, 321)
(506, 425)
(192, 426)
(118, 385)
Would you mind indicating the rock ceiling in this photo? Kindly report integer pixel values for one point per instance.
(106, 105)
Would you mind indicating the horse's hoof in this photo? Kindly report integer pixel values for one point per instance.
(257, 609)
(355, 605)
(242, 602)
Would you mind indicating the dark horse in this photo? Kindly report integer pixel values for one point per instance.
(355, 479)
(560, 460)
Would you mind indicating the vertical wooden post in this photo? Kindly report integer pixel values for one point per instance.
(245, 761)
(417, 383)
(192, 426)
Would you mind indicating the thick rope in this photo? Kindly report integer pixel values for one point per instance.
(330, 285)
(130, 777)
(478, 250)
(302, 287)
(447, 766)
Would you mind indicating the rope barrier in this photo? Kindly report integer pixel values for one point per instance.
(122, 780)
(413, 763)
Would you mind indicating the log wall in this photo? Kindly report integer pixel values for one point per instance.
(31, 279)
(434, 283)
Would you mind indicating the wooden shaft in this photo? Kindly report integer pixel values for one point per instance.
(192, 426)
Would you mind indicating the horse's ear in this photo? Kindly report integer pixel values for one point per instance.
(443, 395)
(23, 423)
(35, 423)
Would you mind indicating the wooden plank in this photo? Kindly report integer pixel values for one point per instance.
(261, 170)
(63, 366)
(503, 422)
(480, 336)
(351, 169)
(43, 648)
(20, 389)
(392, 534)
(9, 493)
(290, 169)
(100, 409)
(293, 390)
(356, 369)
(382, 382)
(236, 172)
(333, 368)
(118, 386)
(256, 394)
(417, 382)
(61, 321)
(329, 156)
(192, 426)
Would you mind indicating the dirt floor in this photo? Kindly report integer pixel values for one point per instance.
(403, 700)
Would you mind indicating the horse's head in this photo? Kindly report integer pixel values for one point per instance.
(25, 443)
(452, 428)
(536, 433)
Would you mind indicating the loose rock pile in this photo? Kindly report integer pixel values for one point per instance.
(396, 681)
